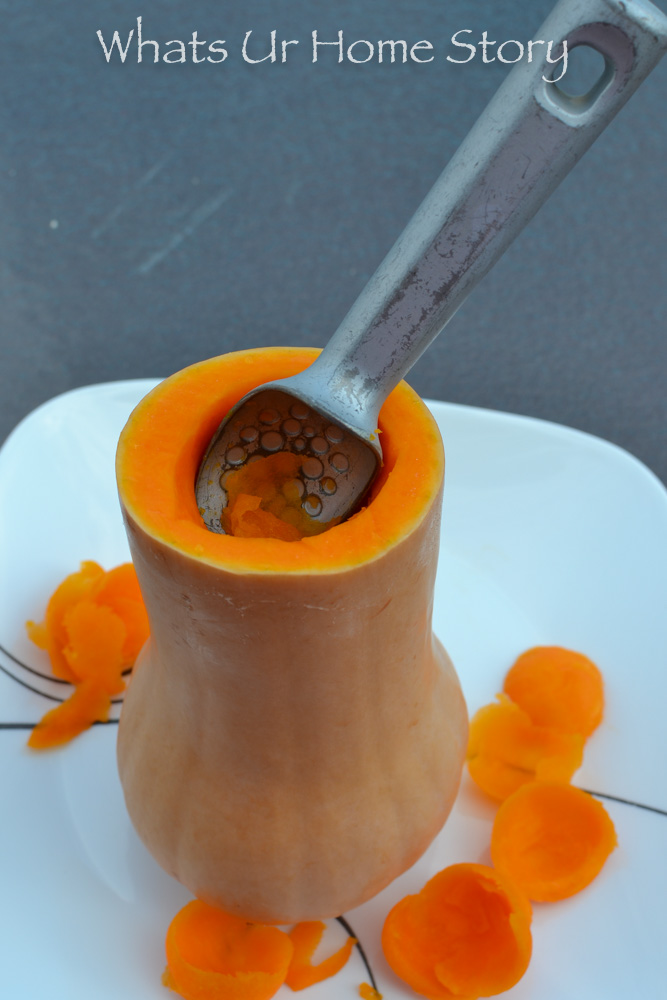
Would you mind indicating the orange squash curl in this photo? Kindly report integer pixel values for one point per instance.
(557, 688)
(506, 750)
(211, 955)
(551, 839)
(465, 935)
(94, 627)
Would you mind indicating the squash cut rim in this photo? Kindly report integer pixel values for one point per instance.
(156, 457)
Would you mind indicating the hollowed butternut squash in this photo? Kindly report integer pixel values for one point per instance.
(293, 736)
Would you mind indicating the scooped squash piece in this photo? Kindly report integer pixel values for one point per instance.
(94, 652)
(466, 934)
(119, 591)
(368, 992)
(52, 634)
(305, 938)
(293, 736)
(551, 839)
(246, 519)
(116, 590)
(88, 703)
(264, 500)
(506, 750)
(557, 688)
(212, 955)
(94, 627)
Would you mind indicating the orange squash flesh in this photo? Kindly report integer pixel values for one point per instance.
(94, 627)
(289, 687)
(506, 750)
(52, 634)
(267, 491)
(212, 955)
(466, 934)
(118, 590)
(95, 649)
(368, 992)
(87, 704)
(557, 688)
(305, 938)
(551, 839)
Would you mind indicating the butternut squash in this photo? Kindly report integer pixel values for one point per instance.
(293, 735)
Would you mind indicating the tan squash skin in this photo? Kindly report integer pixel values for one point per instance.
(290, 742)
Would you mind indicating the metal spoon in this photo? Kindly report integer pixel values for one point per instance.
(525, 142)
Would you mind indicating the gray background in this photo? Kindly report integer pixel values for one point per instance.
(152, 215)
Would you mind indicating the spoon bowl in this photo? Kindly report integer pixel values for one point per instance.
(336, 465)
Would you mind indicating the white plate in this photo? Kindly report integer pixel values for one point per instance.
(549, 537)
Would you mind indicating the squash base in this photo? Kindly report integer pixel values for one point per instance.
(264, 849)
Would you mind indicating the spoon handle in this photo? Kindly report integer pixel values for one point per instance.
(525, 142)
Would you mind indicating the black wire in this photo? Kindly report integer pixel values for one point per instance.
(625, 802)
(343, 922)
